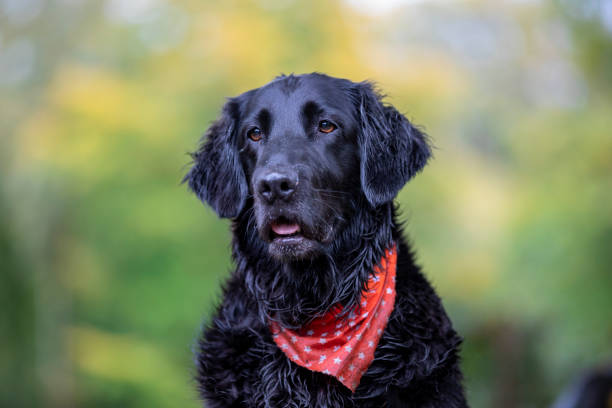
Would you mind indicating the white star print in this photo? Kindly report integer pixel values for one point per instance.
(359, 321)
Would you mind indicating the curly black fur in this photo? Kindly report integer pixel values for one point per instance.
(239, 365)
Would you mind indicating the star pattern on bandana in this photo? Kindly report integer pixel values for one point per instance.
(341, 348)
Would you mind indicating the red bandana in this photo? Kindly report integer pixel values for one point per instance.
(345, 348)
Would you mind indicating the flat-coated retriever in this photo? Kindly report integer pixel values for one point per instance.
(326, 306)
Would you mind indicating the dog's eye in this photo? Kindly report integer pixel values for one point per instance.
(254, 134)
(326, 126)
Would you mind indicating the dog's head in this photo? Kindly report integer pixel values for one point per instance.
(303, 152)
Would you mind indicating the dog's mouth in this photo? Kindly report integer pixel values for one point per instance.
(284, 230)
(289, 239)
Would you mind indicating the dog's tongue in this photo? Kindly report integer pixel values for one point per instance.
(285, 229)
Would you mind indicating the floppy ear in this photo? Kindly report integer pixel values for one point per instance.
(392, 149)
(217, 176)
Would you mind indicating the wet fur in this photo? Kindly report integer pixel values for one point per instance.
(239, 365)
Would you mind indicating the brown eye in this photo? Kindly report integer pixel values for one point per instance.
(254, 134)
(326, 126)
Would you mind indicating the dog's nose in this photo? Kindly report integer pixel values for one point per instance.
(277, 185)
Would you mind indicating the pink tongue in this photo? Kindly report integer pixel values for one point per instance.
(285, 229)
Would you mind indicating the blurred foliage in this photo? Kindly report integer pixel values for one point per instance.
(108, 264)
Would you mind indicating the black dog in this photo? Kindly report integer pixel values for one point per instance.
(307, 168)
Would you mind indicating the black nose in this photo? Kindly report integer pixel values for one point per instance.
(276, 185)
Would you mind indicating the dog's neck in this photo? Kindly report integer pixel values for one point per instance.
(296, 292)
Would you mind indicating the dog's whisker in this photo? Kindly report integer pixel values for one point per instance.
(334, 193)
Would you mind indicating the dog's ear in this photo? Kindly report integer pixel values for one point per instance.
(216, 176)
(392, 149)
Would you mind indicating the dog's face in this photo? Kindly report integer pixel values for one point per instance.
(297, 143)
(306, 149)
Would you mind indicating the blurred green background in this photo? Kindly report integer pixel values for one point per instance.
(109, 265)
